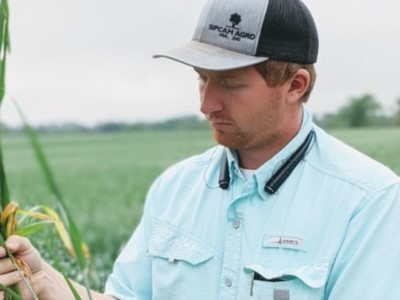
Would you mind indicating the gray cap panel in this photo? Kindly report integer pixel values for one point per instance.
(235, 25)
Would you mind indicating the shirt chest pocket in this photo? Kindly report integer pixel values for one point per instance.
(305, 282)
(181, 263)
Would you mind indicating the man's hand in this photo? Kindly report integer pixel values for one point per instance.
(47, 282)
(22, 249)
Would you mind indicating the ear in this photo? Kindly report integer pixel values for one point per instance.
(298, 85)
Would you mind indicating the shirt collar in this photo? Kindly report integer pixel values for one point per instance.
(264, 172)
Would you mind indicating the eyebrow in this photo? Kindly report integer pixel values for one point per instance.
(220, 74)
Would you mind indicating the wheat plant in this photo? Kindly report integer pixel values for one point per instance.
(14, 220)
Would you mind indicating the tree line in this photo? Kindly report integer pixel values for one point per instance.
(361, 111)
(178, 123)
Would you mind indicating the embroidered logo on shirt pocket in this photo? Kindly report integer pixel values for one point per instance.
(280, 241)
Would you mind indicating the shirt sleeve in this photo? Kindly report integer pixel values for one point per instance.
(131, 275)
(368, 263)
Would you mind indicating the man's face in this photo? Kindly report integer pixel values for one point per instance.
(244, 112)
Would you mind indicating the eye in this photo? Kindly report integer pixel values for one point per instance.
(201, 76)
(230, 84)
(202, 80)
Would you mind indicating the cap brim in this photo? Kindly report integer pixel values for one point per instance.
(209, 57)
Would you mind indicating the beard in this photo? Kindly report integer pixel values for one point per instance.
(251, 133)
(232, 140)
(226, 131)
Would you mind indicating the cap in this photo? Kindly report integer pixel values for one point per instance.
(231, 34)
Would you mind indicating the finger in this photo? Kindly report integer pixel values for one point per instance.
(17, 244)
(6, 265)
(3, 253)
(10, 278)
(1, 295)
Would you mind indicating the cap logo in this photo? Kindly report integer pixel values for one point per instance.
(232, 32)
(235, 19)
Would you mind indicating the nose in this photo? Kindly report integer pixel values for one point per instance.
(210, 98)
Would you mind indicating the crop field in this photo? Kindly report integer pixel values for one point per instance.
(104, 177)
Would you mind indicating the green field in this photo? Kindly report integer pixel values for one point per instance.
(104, 177)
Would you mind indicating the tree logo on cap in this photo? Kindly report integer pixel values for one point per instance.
(231, 32)
(235, 19)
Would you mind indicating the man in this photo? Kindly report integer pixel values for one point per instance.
(279, 209)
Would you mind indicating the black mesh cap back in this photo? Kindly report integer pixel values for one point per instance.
(288, 33)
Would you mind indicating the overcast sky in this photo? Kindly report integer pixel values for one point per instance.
(90, 61)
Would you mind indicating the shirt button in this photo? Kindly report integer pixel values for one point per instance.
(228, 281)
(236, 223)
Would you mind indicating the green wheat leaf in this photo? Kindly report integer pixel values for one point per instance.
(4, 193)
(10, 292)
(32, 228)
(4, 45)
(40, 156)
(71, 287)
(75, 236)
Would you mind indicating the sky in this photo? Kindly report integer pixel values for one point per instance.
(90, 61)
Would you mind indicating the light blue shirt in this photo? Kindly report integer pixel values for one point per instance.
(330, 232)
